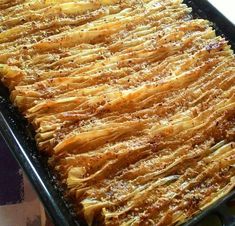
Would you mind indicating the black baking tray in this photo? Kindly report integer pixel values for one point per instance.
(19, 138)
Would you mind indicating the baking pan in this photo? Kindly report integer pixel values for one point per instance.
(19, 138)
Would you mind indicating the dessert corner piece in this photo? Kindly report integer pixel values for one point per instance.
(133, 102)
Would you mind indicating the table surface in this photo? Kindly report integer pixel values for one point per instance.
(227, 7)
(19, 205)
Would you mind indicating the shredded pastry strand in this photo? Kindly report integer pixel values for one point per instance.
(133, 102)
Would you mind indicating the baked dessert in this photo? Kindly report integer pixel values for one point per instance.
(133, 102)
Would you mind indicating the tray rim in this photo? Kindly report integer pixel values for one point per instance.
(54, 205)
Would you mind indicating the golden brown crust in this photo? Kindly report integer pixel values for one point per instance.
(133, 101)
